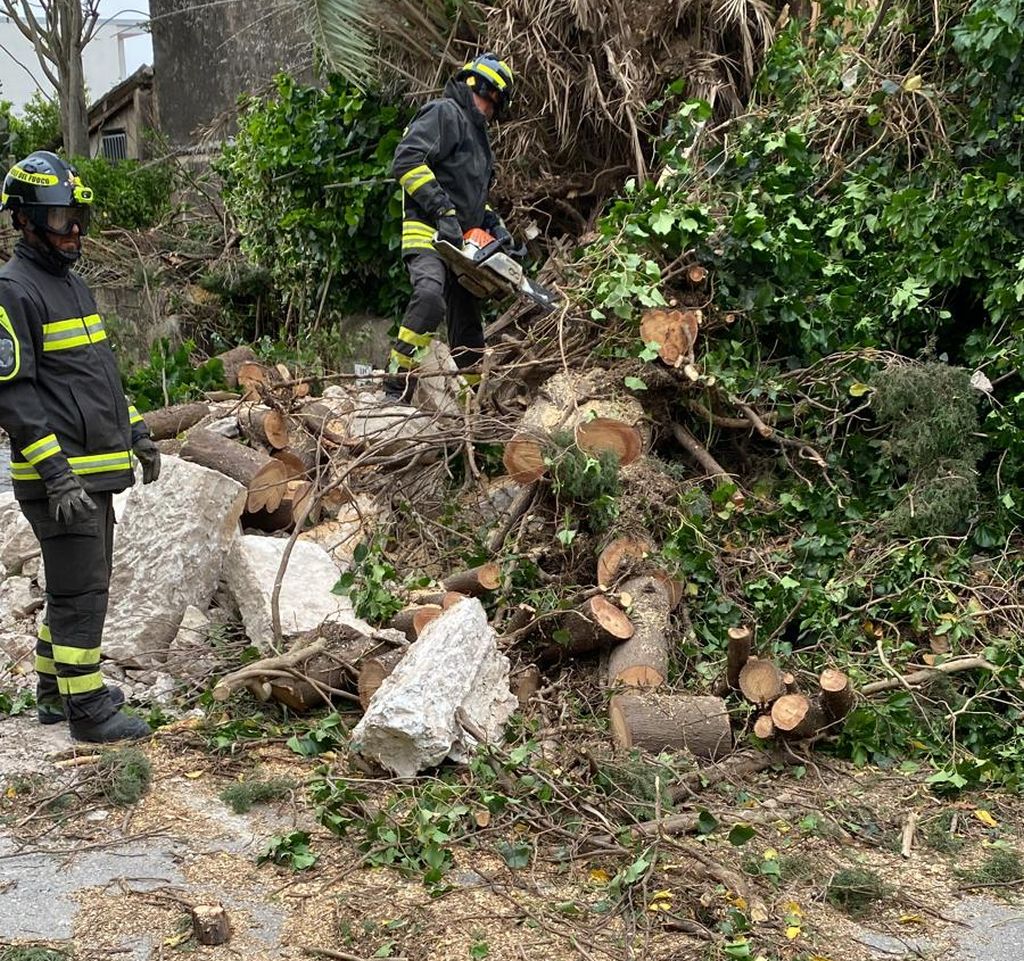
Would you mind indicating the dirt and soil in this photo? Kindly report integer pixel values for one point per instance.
(106, 882)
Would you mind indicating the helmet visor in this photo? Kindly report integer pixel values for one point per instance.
(62, 220)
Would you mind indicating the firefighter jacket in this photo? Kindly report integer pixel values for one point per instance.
(443, 163)
(61, 400)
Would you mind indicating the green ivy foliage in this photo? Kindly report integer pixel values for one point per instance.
(127, 193)
(868, 205)
(307, 181)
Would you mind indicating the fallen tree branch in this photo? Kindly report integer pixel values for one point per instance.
(928, 674)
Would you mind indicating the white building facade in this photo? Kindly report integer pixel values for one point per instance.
(119, 46)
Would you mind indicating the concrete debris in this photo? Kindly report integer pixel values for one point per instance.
(342, 535)
(225, 426)
(169, 550)
(19, 543)
(305, 601)
(18, 599)
(412, 721)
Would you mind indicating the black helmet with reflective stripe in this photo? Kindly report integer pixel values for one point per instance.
(490, 76)
(43, 179)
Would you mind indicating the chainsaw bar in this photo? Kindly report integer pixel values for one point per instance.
(494, 275)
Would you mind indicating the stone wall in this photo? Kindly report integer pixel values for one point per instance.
(206, 55)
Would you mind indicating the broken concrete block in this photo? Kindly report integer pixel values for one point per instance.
(342, 535)
(305, 601)
(19, 542)
(192, 630)
(31, 568)
(169, 549)
(17, 651)
(411, 722)
(18, 599)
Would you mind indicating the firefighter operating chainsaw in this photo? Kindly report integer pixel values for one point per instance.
(455, 247)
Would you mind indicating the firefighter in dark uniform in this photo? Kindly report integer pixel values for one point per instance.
(444, 167)
(72, 436)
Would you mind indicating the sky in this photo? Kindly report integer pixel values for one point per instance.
(137, 50)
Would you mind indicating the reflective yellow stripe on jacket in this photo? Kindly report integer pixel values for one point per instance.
(412, 180)
(73, 332)
(417, 235)
(134, 417)
(87, 464)
(44, 447)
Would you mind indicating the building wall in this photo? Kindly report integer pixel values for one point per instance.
(206, 56)
(103, 61)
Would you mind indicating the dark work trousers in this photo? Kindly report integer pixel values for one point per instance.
(77, 559)
(438, 296)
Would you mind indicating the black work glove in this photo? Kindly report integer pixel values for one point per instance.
(69, 501)
(449, 228)
(149, 456)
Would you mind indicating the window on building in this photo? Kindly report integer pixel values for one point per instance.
(114, 145)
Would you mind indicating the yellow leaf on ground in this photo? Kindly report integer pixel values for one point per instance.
(982, 815)
(192, 775)
(791, 907)
(662, 901)
(793, 932)
(911, 919)
(770, 854)
(599, 876)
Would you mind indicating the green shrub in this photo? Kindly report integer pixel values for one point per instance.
(242, 796)
(38, 127)
(125, 775)
(307, 181)
(171, 378)
(855, 889)
(127, 193)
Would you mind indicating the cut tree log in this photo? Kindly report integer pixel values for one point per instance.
(326, 421)
(450, 598)
(642, 661)
(596, 624)
(453, 670)
(264, 426)
(764, 727)
(475, 582)
(524, 459)
(373, 671)
(836, 694)
(233, 360)
(268, 488)
(168, 422)
(222, 454)
(696, 274)
(761, 682)
(295, 504)
(303, 449)
(789, 680)
(737, 654)
(618, 554)
(427, 614)
(657, 721)
(674, 331)
(255, 379)
(605, 435)
(210, 924)
(796, 715)
(405, 619)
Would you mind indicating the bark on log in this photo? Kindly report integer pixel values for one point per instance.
(596, 624)
(233, 360)
(325, 421)
(836, 694)
(737, 654)
(264, 425)
(796, 715)
(475, 582)
(524, 460)
(642, 661)
(526, 683)
(168, 422)
(427, 614)
(764, 727)
(606, 435)
(658, 722)
(210, 924)
(303, 449)
(224, 455)
(761, 682)
(618, 553)
(674, 331)
(373, 671)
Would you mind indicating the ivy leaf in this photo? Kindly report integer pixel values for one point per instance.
(859, 390)
(662, 222)
(741, 834)
(635, 383)
(706, 823)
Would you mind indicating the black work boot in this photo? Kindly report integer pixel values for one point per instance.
(50, 708)
(117, 727)
(399, 388)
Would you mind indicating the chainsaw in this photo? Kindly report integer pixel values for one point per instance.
(486, 269)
